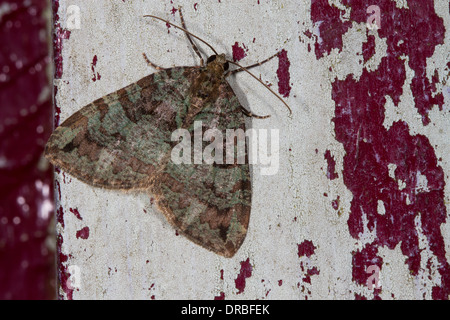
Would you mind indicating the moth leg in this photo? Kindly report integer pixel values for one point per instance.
(250, 114)
(152, 64)
(251, 66)
(189, 38)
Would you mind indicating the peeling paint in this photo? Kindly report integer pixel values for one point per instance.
(246, 272)
(371, 148)
(63, 273)
(331, 167)
(284, 78)
(83, 233)
(76, 213)
(239, 53)
(96, 76)
(306, 248)
(59, 35)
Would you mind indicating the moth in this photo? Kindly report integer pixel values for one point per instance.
(122, 141)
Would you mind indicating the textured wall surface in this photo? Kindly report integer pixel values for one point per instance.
(362, 183)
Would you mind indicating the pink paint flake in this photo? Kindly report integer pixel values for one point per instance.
(308, 33)
(331, 169)
(221, 296)
(59, 34)
(76, 213)
(60, 216)
(57, 186)
(238, 52)
(335, 203)
(310, 272)
(63, 272)
(96, 76)
(152, 287)
(284, 87)
(306, 248)
(83, 233)
(368, 48)
(331, 27)
(370, 147)
(246, 272)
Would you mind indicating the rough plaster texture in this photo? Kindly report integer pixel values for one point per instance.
(298, 244)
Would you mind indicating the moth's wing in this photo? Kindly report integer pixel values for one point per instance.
(123, 141)
(119, 140)
(209, 203)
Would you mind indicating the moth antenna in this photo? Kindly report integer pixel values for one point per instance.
(189, 33)
(245, 69)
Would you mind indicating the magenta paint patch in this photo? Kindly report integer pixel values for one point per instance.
(59, 35)
(246, 272)
(221, 296)
(368, 49)
(76, 213)
(284, 87)
(152, 288)
(335, 203)
(370, 147)
(239, 53)
(60, 216)
(83, 233)
(63, 272)
(331, 27)
(58, 187)
(96, 76)
(331, 168)
(362, 260)
(306, 248)
(310, 272)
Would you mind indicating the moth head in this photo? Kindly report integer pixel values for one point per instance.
(217, 63)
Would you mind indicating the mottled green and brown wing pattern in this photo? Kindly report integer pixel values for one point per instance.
(123, 141)
(118, 141)
(210, 204)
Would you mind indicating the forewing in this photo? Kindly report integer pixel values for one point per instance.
(120, 140)
(209, 203)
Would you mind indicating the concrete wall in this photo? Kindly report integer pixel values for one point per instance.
(364, 159)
